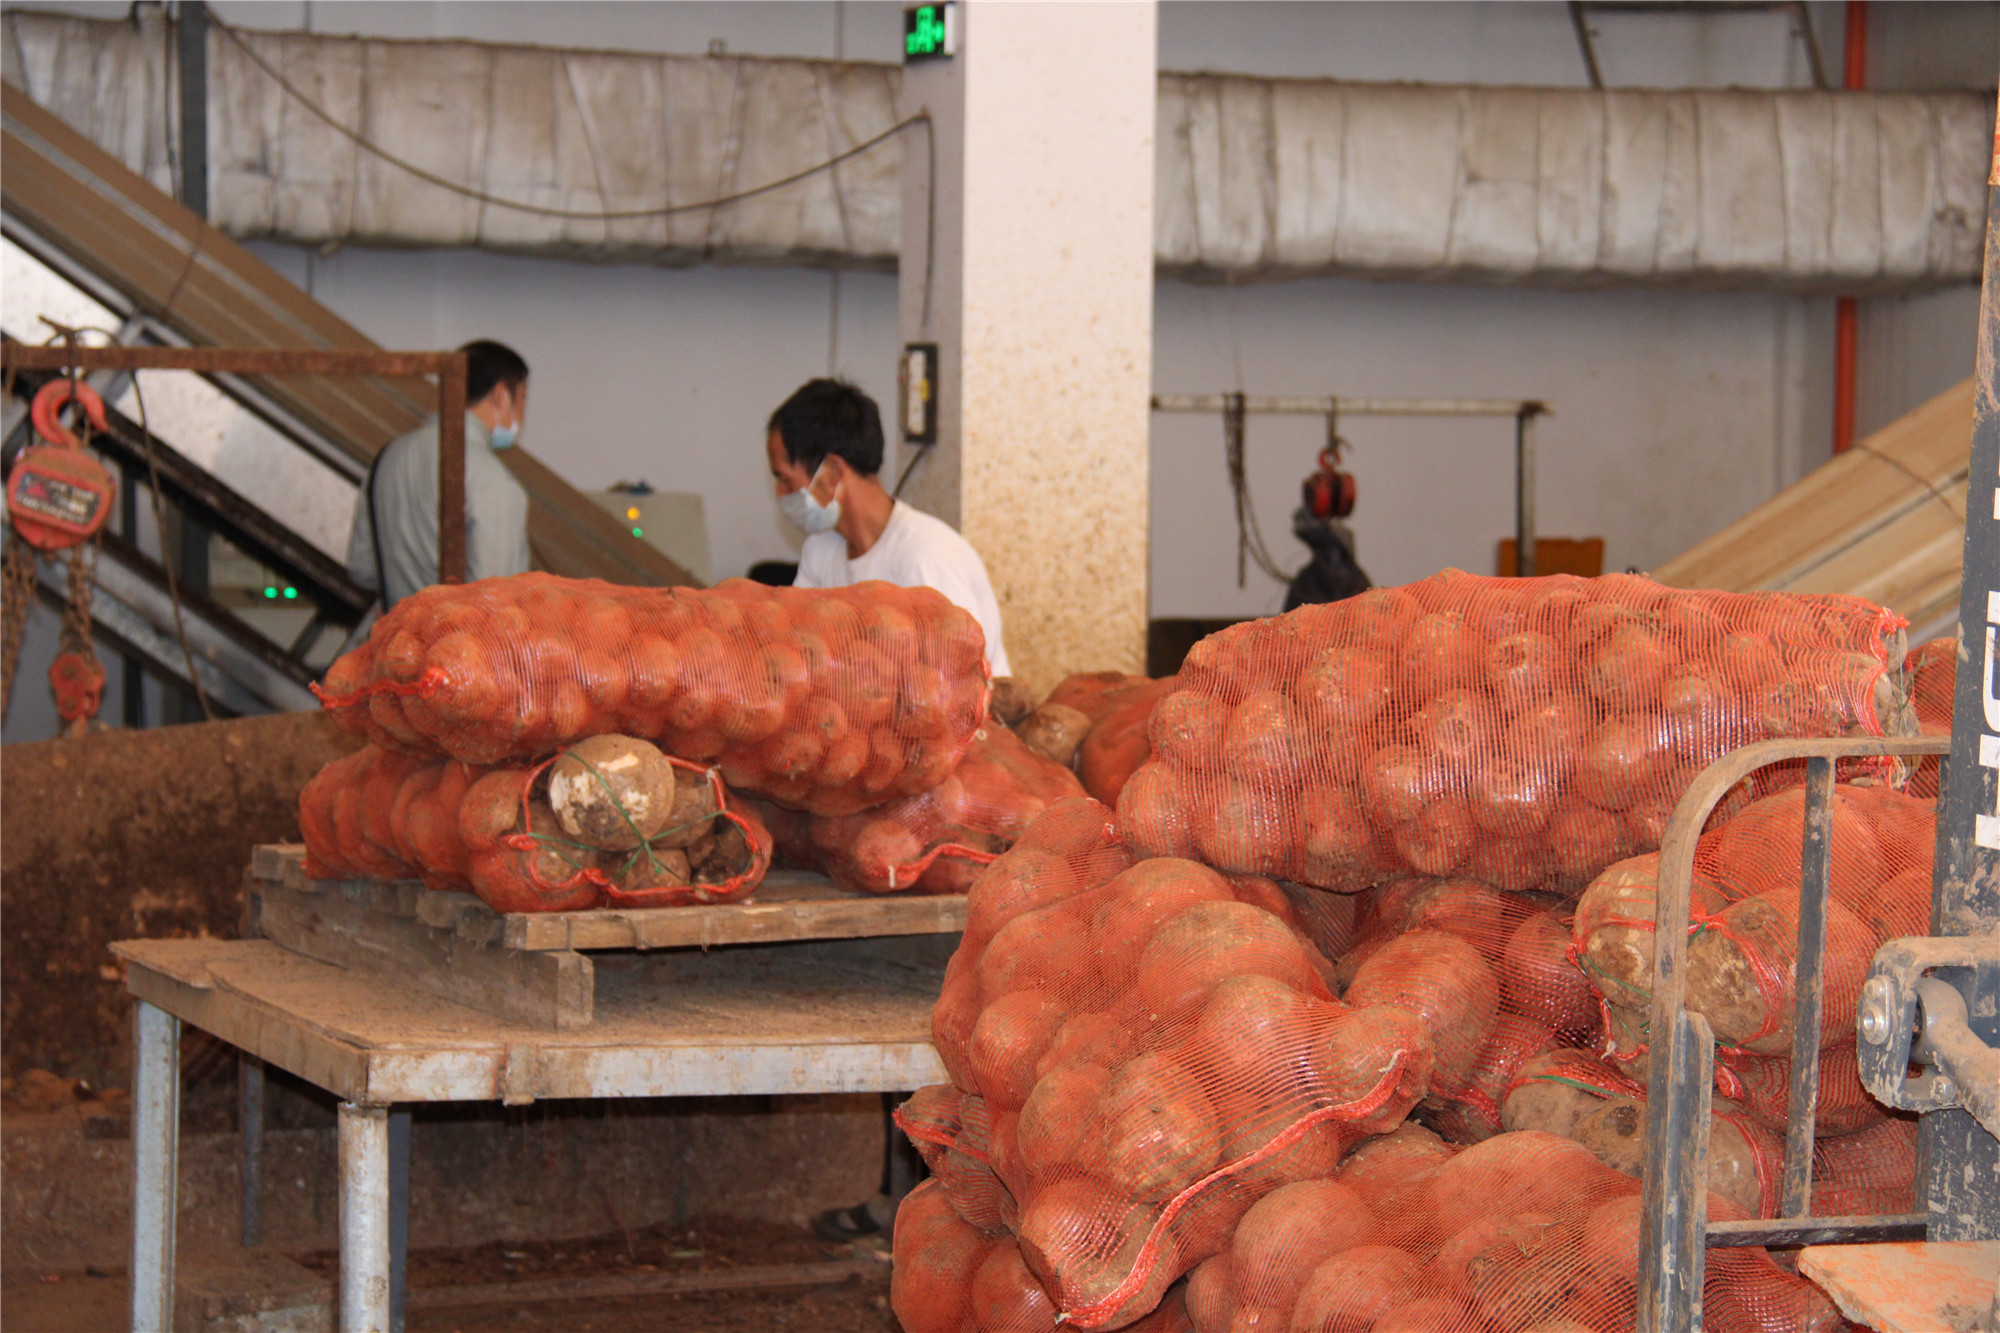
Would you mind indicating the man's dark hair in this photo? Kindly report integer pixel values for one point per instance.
(830, 417)
(489, 363)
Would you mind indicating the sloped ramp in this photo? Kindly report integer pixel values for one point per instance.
(1884, 521)
(189, 277)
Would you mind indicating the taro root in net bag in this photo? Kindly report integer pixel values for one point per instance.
(1933, 672)
(1488, 974)
(1523, 732)
(1523, 1232)
(1744, 928)
(939, 840)
(1142, 1050)
(826, 700)
(491, 831)
(1119, 742)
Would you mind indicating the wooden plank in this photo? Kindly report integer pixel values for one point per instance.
(767, 918)
(1910, 1286)
(556, 990)
(1879, 491)
(270, 860)
(764, 1024)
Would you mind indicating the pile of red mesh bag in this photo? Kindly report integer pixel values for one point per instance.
(1095, 722)
(1522, 732)
(1139, 1050)
(496, 831)
(936, 841)
(829, 701)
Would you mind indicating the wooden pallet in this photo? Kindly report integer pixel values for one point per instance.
(535, 967)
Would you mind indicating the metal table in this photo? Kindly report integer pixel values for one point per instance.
(802, 1018)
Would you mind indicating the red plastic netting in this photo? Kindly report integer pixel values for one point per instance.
(952, 1278)
(938, 841)
(1743, 937)
(1487, 970)
(1933, 671)
(1142, 1050)
(1523, 732)
(384, 815)
(1523, 1233)
(1118, 742)
(829, 700)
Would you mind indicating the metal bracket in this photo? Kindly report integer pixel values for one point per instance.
(1908, 1016)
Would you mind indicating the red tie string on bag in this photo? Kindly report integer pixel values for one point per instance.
(829, 701)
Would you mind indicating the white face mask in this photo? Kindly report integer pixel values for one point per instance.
(806, 512)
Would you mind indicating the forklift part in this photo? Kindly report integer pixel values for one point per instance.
(1908, 1017)
(78, 682)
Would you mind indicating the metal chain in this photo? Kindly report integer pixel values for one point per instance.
(17, 594)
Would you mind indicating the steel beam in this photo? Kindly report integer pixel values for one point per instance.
(156, 1127)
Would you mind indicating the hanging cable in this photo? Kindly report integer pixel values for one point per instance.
(367, 145)
(1249, 536)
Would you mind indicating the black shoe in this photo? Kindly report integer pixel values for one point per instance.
(844, 1225)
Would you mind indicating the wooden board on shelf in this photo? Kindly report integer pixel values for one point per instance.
(789, 905)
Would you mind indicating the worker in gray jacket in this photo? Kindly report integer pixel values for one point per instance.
(393, 547)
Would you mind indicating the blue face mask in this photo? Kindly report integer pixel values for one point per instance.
(503, 437)
(806, 512)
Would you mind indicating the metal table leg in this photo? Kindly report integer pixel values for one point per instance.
(156, 1128)
(250, 1107)
(364, 1218)
(399, 1215)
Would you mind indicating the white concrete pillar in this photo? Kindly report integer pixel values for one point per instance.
(1039, 294)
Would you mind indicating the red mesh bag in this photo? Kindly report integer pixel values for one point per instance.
(826, 700)
(1933, 671)
(950, 1277)
(1523, 1233)
(1143, 1050)
(384, 815)
(1873, 1171)
(938, 841)
(1117, 743)
(1525, 732)
(1762, 1084)
(1744, 923)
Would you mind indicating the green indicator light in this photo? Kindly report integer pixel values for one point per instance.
(638, 532)
(925, 33)
(291, 594)
(270, 592)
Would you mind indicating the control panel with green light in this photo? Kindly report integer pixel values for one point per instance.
(273, 592)
(930, 32)
(672, 522)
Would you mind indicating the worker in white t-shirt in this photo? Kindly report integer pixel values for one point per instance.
(825, 447)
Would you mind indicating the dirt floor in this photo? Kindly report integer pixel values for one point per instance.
(95, 1302)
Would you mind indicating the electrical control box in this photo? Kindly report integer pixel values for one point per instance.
(673, 521)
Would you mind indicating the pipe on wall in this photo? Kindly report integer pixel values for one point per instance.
(1846, 316)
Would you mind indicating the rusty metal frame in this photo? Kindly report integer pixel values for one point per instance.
(448, 367)
(1674, 1231)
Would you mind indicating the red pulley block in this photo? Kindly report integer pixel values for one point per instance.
(78, 682)
(58, 494)
(1329, 492)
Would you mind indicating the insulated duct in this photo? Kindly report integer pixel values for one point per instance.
(1796, 191)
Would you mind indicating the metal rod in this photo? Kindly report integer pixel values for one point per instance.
(1818, 1230)
(250, 1147)
(230, 360)
(192, 35)
(364, 1218)
(1524, 494)
(399, 1215)
(1357, 407)
(1673, 1223)
(156, 1127)
(451, 471)
(1809, 986)
(1579, 19)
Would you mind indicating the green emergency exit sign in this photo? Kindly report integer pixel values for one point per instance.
(930, 32)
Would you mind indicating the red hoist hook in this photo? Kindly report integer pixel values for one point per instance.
(58, 497)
